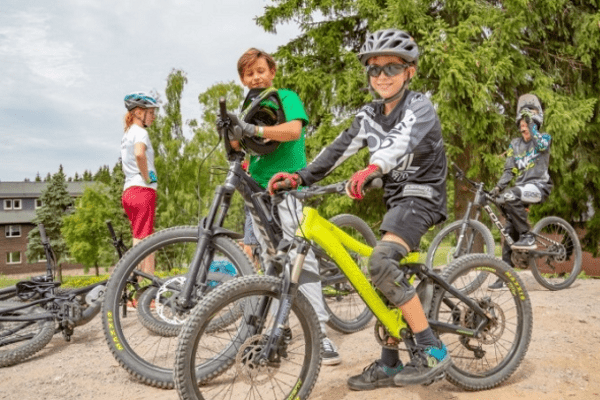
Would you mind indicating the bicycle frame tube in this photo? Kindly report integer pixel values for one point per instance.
(335, 241)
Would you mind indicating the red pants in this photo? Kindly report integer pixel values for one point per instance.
(139, 204)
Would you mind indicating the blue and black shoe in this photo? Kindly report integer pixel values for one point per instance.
(376, 375)
(427, 366)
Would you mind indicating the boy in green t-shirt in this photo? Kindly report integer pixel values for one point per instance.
(257, 70)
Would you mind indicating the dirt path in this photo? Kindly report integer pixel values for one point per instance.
(563, 362)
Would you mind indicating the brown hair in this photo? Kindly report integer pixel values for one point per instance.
(250, 57)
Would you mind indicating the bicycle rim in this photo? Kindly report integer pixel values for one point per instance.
(485, 362)
(559, 270)
(142, 340)
(222, 360)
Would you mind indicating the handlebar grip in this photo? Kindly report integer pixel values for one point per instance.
(223, 107)
(375, 184)
(110, 228)
(43, 237)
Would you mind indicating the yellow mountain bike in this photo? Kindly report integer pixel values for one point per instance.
(273, 351)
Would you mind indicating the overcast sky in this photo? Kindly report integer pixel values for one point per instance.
(66, 65)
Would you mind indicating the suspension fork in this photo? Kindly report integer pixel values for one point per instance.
(463, 228)
(289, 291)
(201, 260)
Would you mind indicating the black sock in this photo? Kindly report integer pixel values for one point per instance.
(427, 338)
(389, 357)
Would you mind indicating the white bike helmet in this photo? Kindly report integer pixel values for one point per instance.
(529, 106)
(389, 42)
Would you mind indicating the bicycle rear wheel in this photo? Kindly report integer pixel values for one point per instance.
(485, 362)
(148, 353)
(20, 340)
(348, 313)
(558, 269)
(219, 364)
(443, 250)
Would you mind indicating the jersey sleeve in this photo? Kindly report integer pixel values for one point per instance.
(293, 107)
(141, 136)
(348, 143)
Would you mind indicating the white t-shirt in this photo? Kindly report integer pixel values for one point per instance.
(133, 177)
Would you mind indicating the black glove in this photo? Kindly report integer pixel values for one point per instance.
(495, 192)
(242, 127)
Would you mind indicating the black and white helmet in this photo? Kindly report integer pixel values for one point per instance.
(139, 99)
(389, 42)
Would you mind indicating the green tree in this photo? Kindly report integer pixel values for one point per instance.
(55, 203)
(476, 59)
(85, 231)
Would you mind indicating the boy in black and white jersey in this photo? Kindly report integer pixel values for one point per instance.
(403, 133)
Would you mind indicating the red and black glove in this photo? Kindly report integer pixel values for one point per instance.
(354, 187)
(283, 181)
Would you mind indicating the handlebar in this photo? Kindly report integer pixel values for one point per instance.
(111, 229)
(339, 187)
(43, 237)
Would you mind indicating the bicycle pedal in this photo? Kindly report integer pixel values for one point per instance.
(436, 378)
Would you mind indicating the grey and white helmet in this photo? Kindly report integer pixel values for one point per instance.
(530, 106)
(139, 99)
(389, 42)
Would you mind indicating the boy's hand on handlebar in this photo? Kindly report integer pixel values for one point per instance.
(283, 181)
(245, 128)
(495, 192)
(356, 184)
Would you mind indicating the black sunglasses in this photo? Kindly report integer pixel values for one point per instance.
(391, 69)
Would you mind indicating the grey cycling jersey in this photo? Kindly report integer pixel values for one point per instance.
(406, 144)
(527, 160)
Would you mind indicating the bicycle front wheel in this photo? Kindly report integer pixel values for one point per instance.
(556, 262)
(447, 246)
(486, 361)
(224, 363)
(348, 313)
(20, 340)
(141, 320)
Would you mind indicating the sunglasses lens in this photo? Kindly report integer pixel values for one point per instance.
(388, 69)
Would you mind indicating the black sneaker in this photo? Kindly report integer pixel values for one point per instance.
(499, 284)
(525, 242)
(427, 366)
(330, 353)
(375, 376)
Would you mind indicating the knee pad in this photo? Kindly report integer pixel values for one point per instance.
(386, 274)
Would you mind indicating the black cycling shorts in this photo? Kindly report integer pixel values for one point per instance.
(410, 219)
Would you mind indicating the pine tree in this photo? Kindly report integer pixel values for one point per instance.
(55, 203)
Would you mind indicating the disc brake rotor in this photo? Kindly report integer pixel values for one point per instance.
(248, 368)
(164, 301)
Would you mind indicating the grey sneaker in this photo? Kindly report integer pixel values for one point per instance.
(525, 242)
(330, 353)
(498, 285)
(376, 375)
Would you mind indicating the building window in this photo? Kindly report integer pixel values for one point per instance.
(38, 203)
(13, 230)
(14, 257)
(12, 204)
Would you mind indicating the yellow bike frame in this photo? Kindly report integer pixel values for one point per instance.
(335, 242)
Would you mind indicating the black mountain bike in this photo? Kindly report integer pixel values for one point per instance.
(555, 263)
(190, 261)
(32, 311)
